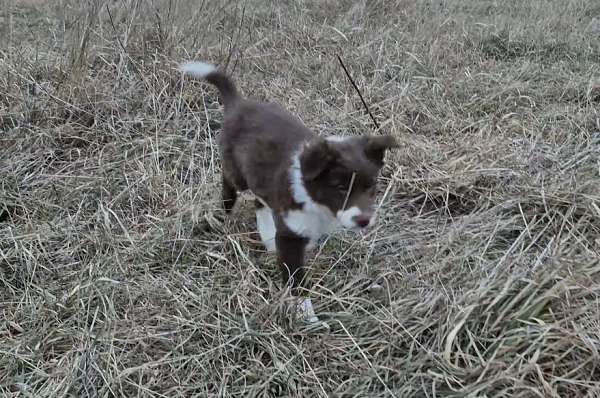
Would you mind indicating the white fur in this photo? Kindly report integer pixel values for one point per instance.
(307, 311)
(298, 190)
(197, 69)
(346, 217)
(314, 220)
(310, 224)
(266, 227)
(336, 138)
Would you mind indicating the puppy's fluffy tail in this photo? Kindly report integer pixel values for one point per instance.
(208, 72)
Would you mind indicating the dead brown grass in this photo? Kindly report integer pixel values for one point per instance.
(119, 275)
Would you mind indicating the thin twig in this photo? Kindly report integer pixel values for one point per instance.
(112, 23)
(359, 93)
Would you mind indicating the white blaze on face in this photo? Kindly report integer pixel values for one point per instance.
(346, 217)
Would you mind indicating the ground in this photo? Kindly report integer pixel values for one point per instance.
(120, 275)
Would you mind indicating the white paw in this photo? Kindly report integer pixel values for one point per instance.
(375, 288)
(307, 312)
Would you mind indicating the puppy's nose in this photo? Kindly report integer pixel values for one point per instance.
(362, 220)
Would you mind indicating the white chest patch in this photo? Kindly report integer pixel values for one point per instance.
(311, 224)
(313, 220)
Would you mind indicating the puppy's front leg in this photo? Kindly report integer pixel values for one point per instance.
(290, 250)
(290, 253)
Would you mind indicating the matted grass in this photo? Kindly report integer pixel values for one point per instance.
(121, 276)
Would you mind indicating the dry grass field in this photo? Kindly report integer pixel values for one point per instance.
(121, 276)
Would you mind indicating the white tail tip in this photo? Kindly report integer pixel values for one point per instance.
(197, 69)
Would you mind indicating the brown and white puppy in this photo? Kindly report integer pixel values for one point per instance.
(306, 186)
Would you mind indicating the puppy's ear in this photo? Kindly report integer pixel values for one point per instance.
(315, 158)
(376, 146)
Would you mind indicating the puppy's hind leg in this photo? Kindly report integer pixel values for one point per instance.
(228, 195)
